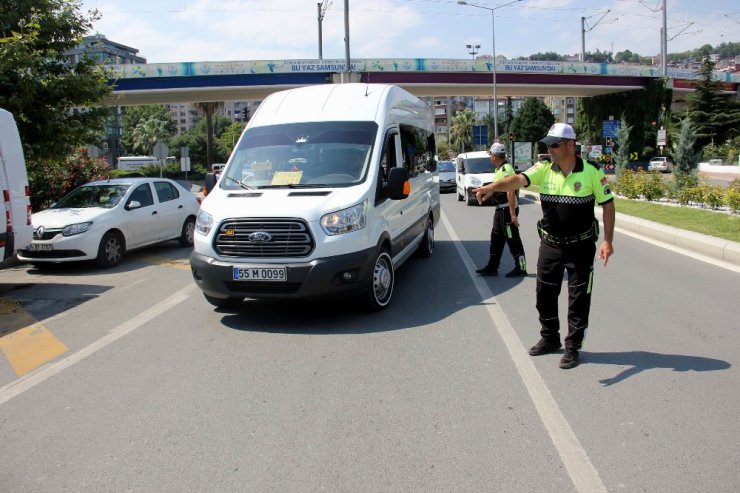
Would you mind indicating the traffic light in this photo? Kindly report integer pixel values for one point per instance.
(246, 113)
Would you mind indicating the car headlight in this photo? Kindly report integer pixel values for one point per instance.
(204, 223)
(75, 229)
(344, 221)
(475, 181)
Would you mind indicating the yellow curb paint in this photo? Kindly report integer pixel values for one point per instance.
(26, 343)
(182, 264)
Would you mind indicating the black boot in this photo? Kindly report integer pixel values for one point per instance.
(487, 271)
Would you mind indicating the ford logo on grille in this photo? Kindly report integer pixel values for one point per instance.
(259, 237)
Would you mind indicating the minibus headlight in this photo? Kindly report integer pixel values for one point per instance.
(204, 223)
(344, 221)
(75, 229)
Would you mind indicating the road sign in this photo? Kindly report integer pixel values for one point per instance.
(662, 137)
(185, 164)
(161, 150)
(480, 135)
(633, 156)
(184, 151)
(610, 128)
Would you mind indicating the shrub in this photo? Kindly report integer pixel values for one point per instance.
(50, 180)
(628, 184)
(732, 198)
(711, 195)
(651, 185)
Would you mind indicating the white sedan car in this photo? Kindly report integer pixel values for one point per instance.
(102, 220)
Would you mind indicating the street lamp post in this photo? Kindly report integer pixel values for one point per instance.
(473, 49)
(493, 45)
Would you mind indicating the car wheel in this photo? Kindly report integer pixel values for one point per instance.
(380, 290)
(460, 198)
(224, 302)
(472, 201)
(110, 251)
(426, 247)
(188, 231)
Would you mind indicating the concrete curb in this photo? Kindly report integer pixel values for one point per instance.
(709, 246)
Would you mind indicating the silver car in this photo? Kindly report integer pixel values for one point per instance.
(661, 163)
(446, 176)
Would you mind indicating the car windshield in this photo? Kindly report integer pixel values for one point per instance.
(479, 165)
(301, 155)
(445, 166)
(103, 195)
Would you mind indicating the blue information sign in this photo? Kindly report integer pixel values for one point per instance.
(610, 128)
(480, 135)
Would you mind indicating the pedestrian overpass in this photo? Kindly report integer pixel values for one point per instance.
(162, 83)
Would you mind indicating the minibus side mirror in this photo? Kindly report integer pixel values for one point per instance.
(398, 184)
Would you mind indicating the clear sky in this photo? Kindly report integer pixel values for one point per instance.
(208, 30)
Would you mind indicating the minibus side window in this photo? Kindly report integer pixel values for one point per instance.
(387, 161)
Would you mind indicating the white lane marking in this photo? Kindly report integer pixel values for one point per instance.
(584, 475)
(17, 387)
(682, 251)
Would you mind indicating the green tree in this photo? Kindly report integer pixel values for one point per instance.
(208, 109)
(148, 133)
(133, 116)
(461, 130)
(229, 136)
(715, 116)
(444, 151)
(683, 149)
(622, 138)
(196, 140)
(40, 85)
(531, 122)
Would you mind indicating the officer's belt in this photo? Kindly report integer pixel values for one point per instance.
(502, 206)
(591, 234)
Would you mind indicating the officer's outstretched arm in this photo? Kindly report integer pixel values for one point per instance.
(608, 215)
(509, 184)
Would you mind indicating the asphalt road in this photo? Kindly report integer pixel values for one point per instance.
(148, 388)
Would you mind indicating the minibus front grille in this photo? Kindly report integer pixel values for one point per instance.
(264, 238)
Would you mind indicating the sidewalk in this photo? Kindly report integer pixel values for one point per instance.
(709, 246)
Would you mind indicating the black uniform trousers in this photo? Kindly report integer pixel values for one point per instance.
(503, 232)
(578, 260)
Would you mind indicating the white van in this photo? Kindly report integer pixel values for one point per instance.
(16, 230)
(134, 163)
(329, 189)
(472, 170)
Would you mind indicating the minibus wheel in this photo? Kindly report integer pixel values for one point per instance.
(426, 247)
(381, 283)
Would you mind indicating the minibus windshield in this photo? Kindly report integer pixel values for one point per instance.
(313, 154)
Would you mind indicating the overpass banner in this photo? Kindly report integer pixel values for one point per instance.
(238, 67)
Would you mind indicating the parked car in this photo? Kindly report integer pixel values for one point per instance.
(102, 220)
(661, 163)
(446, 176)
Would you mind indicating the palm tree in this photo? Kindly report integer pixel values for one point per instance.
(148, 133)
(208, 109)
(461, 131)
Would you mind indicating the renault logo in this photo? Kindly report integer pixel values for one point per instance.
(260, 237)
(40, 232)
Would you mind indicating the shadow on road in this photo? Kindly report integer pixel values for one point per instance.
(638, 361)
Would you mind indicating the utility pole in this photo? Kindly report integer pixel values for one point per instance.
(322, 8)
(664, 42)
(348, 67)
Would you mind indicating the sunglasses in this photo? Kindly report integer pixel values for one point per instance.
(557, 144)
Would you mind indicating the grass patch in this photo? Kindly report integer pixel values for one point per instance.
(717, 224)
(706, 222)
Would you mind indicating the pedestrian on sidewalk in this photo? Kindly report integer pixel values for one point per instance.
(505, 229)
(569, 190)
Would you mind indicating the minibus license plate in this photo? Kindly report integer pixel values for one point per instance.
(40, 247)
(244, 273)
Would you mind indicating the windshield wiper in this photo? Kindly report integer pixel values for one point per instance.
(240, 183)
(298, 185)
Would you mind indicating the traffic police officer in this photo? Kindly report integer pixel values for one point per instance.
(569, 189)
(505, 227)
